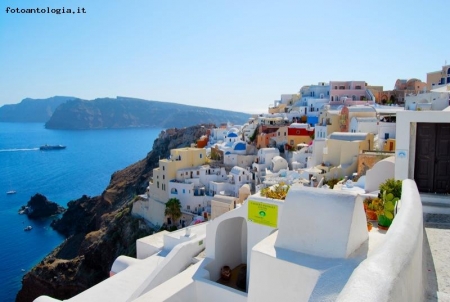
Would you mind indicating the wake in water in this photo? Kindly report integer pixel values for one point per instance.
(19, 149)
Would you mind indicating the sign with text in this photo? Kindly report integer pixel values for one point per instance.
(263, 213)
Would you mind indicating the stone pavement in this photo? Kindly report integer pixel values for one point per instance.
(437, 253)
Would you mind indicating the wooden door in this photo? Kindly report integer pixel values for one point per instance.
(442, 159)
(432, 163)
(425, 156)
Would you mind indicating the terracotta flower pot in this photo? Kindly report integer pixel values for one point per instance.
(371, 215)
(225, 272)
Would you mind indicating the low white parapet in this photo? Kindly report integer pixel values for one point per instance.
(393, 272)
(309, 222)
(150, 245)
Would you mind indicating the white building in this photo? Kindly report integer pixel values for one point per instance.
(364, 124)
(427, 101)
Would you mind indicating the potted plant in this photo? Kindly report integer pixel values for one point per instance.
(371, 205)
(369, 226)
(390, 194)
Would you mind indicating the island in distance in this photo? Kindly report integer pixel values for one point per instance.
(124, 112)
(32, 110)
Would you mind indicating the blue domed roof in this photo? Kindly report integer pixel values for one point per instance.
(228, 152)
(232, 134)
(239, 146)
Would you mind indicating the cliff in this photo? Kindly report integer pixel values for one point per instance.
(32, 110)
(100, 228)
(128, 112)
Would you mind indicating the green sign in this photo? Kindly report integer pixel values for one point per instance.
(263, 213)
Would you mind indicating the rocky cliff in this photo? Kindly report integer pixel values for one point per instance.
(39, 206)
(125, 112)
(100, 228)
(32, 110)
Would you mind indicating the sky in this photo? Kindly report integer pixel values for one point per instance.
(234, 55)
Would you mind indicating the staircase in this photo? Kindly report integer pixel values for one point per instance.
(435, 203)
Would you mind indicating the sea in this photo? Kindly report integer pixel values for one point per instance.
(83, 168)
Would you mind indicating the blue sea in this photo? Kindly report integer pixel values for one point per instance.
(84, 167)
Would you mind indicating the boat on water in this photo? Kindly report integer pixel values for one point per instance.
(52, 147)
(28, 228)
(11, 192)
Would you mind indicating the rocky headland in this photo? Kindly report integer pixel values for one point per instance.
(32, 110)
(99, 229)
(123, 112)
(39, 207)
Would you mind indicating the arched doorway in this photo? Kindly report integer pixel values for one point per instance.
(230, 245)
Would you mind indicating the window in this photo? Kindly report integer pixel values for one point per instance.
(184, 191)
(157, 184)
(357, 87)
(201, 155)
(198, 172)
(164, 168)
(164, 177)
(188, 207)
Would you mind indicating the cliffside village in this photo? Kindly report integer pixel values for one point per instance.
(333, 144)
(327, 134)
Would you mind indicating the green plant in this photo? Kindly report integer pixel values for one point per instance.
(278, 191)
(332, 182)
(391, 186)
(390, 194)
(254, 135)
(173, 209)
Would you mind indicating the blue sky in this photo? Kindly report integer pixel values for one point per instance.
(235, 55)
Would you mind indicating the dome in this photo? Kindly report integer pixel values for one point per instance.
(239, 146)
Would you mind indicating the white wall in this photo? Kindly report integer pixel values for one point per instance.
(381, 171)
(384, 127)
(439, 101)
(208, 291)
(394, 272)
(314, 234)
(149, 245)
(176, 261)
(150, 210)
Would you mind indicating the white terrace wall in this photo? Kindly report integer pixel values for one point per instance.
(176, 261)
(394, 272)
(381, 171)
